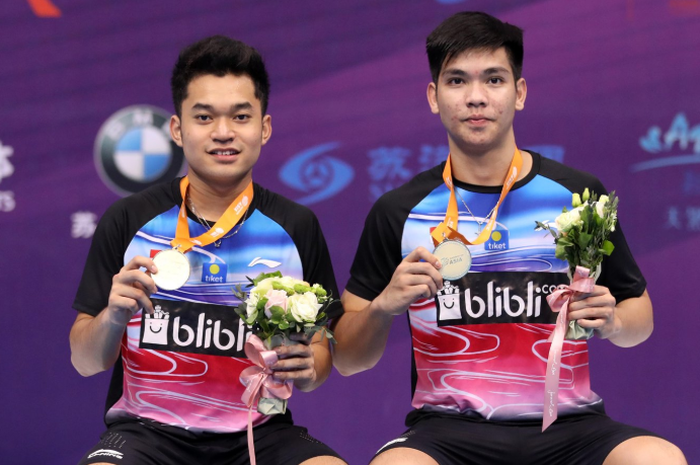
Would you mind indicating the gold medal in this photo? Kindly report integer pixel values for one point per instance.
(455, 259)
(173, 269)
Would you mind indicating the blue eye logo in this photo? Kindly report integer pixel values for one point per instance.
(316, 174)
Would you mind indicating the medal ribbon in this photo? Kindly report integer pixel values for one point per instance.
(559, 302)
(448, 228)
(183, 242)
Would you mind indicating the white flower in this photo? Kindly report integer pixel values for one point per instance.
(304, 307)
(569, 219)
(261, 289)
(600, 205)
(251, 302)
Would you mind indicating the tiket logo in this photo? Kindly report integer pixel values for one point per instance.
(508, 299)
(497, 241)
(214, 273)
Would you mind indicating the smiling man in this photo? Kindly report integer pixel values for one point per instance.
(156, 299)
(476, 304)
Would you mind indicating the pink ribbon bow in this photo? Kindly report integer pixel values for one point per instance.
(259, 382)
(559, 302)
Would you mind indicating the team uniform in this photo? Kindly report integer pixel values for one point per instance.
(178, 374)
(480, 346)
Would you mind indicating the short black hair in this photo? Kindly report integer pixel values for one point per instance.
(473, 30)
(219, 55)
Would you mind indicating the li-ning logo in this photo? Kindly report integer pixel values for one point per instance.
(320, 177)
(106, 453)
(487, 298)
(264, 261)
(679, 133)
(133, 150)
(194, 328)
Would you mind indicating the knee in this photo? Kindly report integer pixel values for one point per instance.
(646, 450)
(404, 456)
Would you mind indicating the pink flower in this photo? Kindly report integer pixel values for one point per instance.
(275, 297)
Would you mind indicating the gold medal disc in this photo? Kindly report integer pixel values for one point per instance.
(173, 269)
(455, 259)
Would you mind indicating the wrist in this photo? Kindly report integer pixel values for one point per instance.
(378, 311)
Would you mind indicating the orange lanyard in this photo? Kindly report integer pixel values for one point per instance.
(228, 220)
(448, 228)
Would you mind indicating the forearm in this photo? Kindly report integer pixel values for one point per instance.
(634, 322)
(95, 343)
(361, 338)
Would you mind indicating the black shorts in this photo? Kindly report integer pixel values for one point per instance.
(147, 443)
(456, 440)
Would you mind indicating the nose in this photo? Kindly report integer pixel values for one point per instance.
(476, 96)
(223, 130)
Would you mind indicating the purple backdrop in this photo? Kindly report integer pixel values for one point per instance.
(613, 89)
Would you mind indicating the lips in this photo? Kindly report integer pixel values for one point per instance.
(477, 120)
(224, 152)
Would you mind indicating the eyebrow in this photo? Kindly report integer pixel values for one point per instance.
(233, 109)
(487, 72)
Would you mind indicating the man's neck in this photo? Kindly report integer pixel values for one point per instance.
(212, 200)
(486, 167)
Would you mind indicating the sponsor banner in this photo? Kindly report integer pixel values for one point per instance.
(491, 298)
(195, 328)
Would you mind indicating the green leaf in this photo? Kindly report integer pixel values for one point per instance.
(584, 239)
(608, 247)
(261, 276)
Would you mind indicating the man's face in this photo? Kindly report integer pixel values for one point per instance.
(221, 129)
(476, 97)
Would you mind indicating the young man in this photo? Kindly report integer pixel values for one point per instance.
(177, 349)
(480, 340)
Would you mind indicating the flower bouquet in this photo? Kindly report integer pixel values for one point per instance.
(581, 238)
(277, 307)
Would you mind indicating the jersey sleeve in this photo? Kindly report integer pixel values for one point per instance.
(379, 251)
(620, 272)
(317, 264)
(104, 260)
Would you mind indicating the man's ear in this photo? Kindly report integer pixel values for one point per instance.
(266, 128)
(520, 93)
(432, 98)
(176, 130)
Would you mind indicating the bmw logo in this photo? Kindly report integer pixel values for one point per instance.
(133, 150)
